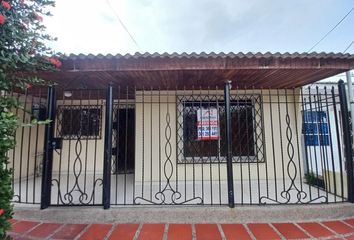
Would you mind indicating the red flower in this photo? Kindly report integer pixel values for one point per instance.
(38, 18)
(28, 86)
(55, 62)
(6, 5)
(2, 212)
(2, 19)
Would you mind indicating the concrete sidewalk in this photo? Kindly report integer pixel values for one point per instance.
(186, 214)
(333, 229)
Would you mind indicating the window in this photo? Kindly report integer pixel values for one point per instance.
(82, 122)
(247, 136)
(315, 128)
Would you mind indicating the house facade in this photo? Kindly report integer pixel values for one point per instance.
(182, 129)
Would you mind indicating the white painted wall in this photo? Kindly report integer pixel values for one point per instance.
(27, 155)
(151, 157)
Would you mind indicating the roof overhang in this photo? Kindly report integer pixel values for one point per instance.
(199, 70)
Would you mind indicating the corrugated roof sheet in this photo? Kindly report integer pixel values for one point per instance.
(170, 70)
(193, 55)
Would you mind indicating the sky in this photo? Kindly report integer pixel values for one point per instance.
(91, 26)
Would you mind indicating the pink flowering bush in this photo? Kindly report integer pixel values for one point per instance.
(23, 53)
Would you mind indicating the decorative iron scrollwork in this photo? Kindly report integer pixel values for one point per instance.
(76, 195)
(168, 195)
(292, 174)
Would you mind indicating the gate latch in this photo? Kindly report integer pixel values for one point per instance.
(57, 143)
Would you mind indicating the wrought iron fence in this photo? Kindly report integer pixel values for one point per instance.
(132, 146)
(26, 159)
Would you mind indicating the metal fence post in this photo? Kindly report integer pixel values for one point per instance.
(230, 179)
(48, 149)
(348, 151)
(108, 149)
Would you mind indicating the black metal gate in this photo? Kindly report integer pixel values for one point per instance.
(132, 146)
(75, 147)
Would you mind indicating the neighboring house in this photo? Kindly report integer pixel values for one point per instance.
(318, 137)
(151, 129)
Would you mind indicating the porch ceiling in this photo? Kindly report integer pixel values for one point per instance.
(199, 70)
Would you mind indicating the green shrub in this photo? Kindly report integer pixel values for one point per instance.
(8, 124)
(313, 180)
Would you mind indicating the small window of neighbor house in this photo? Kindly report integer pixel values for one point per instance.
(79, 122)
(315, 128)
(198, 143)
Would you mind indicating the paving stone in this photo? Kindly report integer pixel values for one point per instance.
(69, 231)
(151, 231)
(338, 227)
(23, 226)
(315, 229)
(263, 231)
(350, 221)
(96, 231)
(44, 230)
(124, 231)
(290, 231)
(179, 232)
(207, 232)
(235, 232)
(21, 238)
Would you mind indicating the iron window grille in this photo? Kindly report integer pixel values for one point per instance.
(79, 121)
(247, 129)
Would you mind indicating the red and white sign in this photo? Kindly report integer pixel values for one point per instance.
(208, 124)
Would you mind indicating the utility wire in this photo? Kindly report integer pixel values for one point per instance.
(348, 46)
(123, 25)
(331, 29)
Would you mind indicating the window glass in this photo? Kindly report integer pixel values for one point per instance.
(315, 128)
